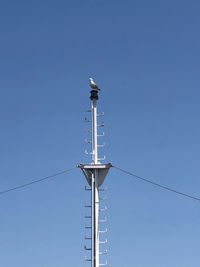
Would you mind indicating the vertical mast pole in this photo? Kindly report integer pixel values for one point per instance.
(95, 187)
(95, 173)
(94, 131)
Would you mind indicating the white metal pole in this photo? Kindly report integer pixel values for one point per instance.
(95, 174)
(97, 217)
(95, 221)
(94, 131)
(95, 189)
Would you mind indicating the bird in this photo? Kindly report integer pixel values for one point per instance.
(93, 85)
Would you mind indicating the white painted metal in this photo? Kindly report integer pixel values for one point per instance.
(95, 220)
(95, 189)
(102, 171)
(95, 174)
(94, 131)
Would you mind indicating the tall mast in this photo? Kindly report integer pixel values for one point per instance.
(95, 173)
(94, 185)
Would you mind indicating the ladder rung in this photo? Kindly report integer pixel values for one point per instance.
(103, 220)
(103, 264)
(103, 242)
(103, 253)
(88, 238)
(103, 198)
(87, 189)
(88, 227)
(88, 217)
(103, 209)
(103, 231)
(87, 248)
(103, 189)
(87, 206)
(88, 260)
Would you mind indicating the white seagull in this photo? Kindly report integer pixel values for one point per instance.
(93, 85)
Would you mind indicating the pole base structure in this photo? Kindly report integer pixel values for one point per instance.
(95, 175)
(102, 170)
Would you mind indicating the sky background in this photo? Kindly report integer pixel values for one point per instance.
(145, 57)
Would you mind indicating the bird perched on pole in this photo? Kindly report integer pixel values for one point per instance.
(93, 85)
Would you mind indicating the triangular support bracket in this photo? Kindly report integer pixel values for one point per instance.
(102, 170)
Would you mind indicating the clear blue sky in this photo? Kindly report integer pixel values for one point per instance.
(145, 57)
